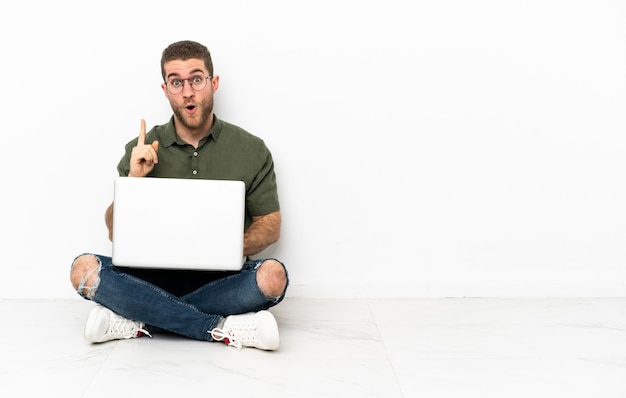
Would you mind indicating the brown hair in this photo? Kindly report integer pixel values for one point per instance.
(184, 50)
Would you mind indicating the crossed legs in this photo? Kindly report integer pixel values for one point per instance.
(260, 285)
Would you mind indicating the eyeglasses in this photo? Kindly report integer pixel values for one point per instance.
(197, 82)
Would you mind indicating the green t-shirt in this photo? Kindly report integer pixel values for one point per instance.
(227, 153)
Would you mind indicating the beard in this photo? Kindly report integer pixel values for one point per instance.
(200, 118)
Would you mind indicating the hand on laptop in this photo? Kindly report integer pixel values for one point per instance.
(144, 156)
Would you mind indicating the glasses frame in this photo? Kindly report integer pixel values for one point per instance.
(188, 80)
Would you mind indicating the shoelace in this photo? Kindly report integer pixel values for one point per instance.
(235, 336)
(120, 326)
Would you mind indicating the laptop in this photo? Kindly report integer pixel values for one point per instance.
(175, 223)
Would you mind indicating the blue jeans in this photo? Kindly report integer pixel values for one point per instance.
(192, 315)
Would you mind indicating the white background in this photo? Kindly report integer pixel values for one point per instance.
(423, 148)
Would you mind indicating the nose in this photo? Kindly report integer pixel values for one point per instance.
(188, 91)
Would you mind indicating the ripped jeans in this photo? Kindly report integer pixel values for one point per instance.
(192, 315)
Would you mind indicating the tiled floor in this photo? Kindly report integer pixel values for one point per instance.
(387, 348)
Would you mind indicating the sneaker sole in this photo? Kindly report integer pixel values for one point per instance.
(90, 326)
(269, 321)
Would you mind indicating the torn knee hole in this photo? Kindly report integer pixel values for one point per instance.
(272, 278)
(86, 275)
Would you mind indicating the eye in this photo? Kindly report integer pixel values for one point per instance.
(197, 79)
(176, 82)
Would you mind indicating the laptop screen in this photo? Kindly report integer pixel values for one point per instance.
(177, 223)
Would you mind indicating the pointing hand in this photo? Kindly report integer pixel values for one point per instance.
(144, 156)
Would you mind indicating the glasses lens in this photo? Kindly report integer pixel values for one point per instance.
(198, 82)
(175, 86)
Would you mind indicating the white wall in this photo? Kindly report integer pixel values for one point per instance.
(423, 148)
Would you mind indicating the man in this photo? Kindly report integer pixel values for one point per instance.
(212, 306)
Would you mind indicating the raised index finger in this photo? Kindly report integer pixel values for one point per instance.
(142, 133)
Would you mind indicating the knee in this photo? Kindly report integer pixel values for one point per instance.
(84, 274)
(272, 278)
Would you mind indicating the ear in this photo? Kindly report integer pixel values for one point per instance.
(215, 83)
(164, 88)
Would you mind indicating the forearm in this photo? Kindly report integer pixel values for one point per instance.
(108, 219)
(264, 231)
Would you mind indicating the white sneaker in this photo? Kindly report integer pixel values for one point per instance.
(254, 329)
(104, 325)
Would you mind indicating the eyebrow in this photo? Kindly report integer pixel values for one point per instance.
(190, 73)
